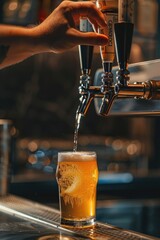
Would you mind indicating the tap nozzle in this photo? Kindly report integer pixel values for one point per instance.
(85, 101)
(106, 90)
(86, 96)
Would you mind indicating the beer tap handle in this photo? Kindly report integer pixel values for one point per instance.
(123, 41)
(123, 38)
(85, 51)
(85, 55)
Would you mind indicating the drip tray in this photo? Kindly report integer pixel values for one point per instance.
(49, 218)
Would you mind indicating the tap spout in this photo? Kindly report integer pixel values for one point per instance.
(106, 104)
(85, 101)
(106, 89)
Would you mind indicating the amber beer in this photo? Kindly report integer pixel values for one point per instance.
(77, 176)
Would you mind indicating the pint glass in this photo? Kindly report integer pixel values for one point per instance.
(77, 176)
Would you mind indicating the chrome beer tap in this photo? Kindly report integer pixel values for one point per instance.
(108, 90)
(123, 40)
(85, 54)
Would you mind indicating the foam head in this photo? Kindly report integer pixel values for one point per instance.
(76, 156)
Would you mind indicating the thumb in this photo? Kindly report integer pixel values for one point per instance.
(90, 38)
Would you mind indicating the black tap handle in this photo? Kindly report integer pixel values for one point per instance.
(85, 51)
(123, 42)
(85, 55)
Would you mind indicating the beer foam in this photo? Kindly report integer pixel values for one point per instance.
(76, 156)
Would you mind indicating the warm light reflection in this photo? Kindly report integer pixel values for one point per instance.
(132, 149)
(24, 9)
(117, 144)
(32, 146)
(13, 5)
(13, 131)
(26, 6)
(32, 159)
(56, 236)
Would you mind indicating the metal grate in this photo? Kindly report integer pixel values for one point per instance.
(50, 217)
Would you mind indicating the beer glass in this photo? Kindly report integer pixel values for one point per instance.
(77, 176)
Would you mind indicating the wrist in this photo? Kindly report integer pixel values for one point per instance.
(34, 40)
(38, 40)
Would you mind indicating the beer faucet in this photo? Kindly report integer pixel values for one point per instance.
(123, 31)
(123, 40)
(86, 90)
(109, 90)
(85, 54)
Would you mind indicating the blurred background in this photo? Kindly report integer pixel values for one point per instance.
(40, 96)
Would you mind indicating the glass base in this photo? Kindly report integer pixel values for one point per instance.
(77, 223)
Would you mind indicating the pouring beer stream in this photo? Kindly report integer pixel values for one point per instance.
(85, 55)
(107, 52)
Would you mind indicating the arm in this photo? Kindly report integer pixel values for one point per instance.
(56, 34)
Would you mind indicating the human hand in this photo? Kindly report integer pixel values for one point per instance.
(58, 32)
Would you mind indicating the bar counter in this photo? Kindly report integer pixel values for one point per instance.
(24, 219)
(30, 211)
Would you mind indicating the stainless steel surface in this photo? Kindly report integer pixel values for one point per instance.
(140, 97)
(49, 217)
(136, 96)
(14, 228)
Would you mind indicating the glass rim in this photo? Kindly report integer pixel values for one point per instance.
(71, 155)
(78, 152)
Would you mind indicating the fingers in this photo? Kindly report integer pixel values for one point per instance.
(88, 38)
(86, 9)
